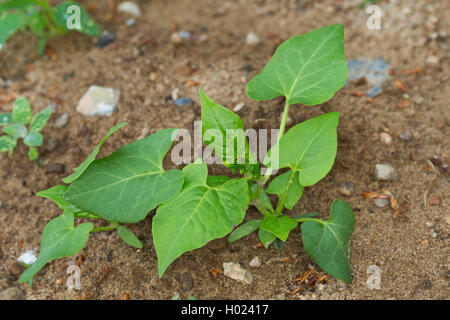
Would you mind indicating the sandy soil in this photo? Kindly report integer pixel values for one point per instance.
(410, 247)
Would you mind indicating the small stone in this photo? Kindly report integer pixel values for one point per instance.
(381, 203)
(12, 293)
(130, 8)
(182, 101)
(447, 219)
(255, 263)
(429, 224)
(184, 34)
(58, 282)
(347, 188)
(385, 172)
(105, 38)
(130, 22)
(28, 257)
(406, 136)
(385, 138)
(434, 200)
(16, 269)
(175, 38)
(252, 39)
(432, 61)
(238, 107)
(234, 271)
(174, 94)
(217, 245)
(62, 120)
(98, 101)
(434, 235)
(186, 281)
(51, 145)
(55, 168)
(153, 76)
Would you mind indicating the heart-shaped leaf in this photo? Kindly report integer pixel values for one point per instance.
(308, 148)
(126, 185)
(306, 69)
(59, 239)
(200, 213)
(327, 242)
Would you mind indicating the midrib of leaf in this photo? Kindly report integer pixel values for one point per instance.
(297, 165)
(327, 225)
(189, 218)
(297, 78)
(121, 180)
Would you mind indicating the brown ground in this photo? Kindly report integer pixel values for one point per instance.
(410, 248)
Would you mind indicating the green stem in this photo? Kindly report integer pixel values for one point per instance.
(269, 171)
(282, 199)
(300, 220)
(114, 225)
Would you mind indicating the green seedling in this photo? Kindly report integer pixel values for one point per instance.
(193, 208)
(39, 18)
(14, 128)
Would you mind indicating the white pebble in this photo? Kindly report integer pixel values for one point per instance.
(252, 39)
(129, 7)
(235, 271)
(98, 101)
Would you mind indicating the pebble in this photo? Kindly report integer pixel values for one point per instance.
(16, 269)
(406, 136)
(447, 219)
(105, 38)
(98, 101)
(153, 76)
(252, 39)
(12, 293)
(238, 107)
(130, 8)
(184, 34)
(175, 38)
(186, 281)
(434, 200)
(182, 101)
(347, 188)
(255, 263)
(62, 120)
(432, 61)
(385, 138)
(429, 224)
(217, 245)
(385, 172)
(381, 203)
(51, 145)
(235, 271)
(130, 22)
(174, 94)
(28, 257)
(55, 168)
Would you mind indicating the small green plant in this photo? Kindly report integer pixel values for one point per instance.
(39, 18)
(14, 128)
(194, 208)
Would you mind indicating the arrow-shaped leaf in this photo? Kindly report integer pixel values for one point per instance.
(126, 185)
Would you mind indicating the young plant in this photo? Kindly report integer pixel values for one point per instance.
(39, 18)
(193, 208)
(14, 128)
